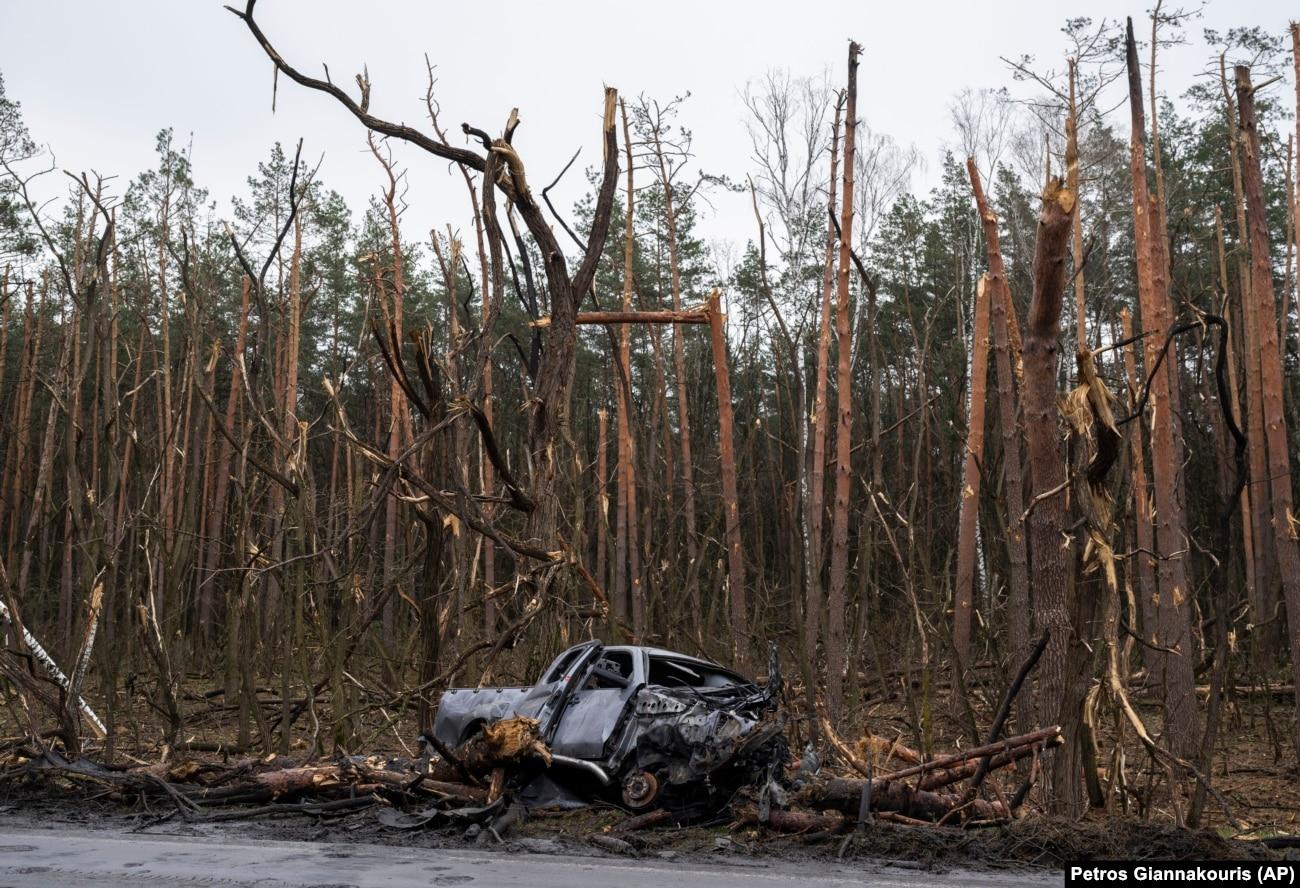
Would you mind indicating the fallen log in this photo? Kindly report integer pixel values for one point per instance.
(1042, 735)
(845, 794)
(895, 817)
(697, 315)
(310, 809)
(869, 746)
(970, 768)
(643, 821)
(423, 784)
(263, 786)
(793, 821)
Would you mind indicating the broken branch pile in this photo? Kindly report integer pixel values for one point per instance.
(467, 778)
(912, 794)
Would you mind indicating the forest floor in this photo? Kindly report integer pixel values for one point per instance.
(1254, 770)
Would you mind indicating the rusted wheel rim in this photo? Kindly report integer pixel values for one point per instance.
(640, 789)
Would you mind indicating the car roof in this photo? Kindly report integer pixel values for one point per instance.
(675, 655)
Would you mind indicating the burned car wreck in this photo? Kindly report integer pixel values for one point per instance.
(637, 725)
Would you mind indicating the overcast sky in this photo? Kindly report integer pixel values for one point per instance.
(98, 79)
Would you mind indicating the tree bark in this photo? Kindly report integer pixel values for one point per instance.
(1143, 534)
(1001, 312)
(602, 494)
(623, 379)
(1049, 540)
(836, 605)
(815, 507)
(1264, 600)
(1246, 495)
(1295, 196)
(971, 475)
(679, 380)
(1174, 595)
(1279, 462)
(730, 499)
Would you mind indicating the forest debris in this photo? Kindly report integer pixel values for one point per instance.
(909, 795)
(872, 747)
(510, 741)
(643, 821)
(793, 821)
(1042, 735)
(43, 657)
(612, 844)
(940, 777)
(845, 794)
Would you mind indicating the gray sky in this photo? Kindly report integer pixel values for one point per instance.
(98, 79)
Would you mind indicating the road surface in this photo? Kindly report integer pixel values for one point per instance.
(92, 859)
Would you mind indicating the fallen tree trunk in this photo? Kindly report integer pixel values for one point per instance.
(510, 741)
(698, 315)
(970, 768)
(793, 821)
(869, 745)
(1042, 735)
(845, 795)
(239, 783)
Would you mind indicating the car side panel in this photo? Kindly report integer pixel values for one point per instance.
(591, 718)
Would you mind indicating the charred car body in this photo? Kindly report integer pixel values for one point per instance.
(634, 723)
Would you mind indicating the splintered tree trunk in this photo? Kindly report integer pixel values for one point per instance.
(730, 499)
(627, 558)
(815, 508)
(1143, 534)
(835, 664)
(398, 420)
(1263, 640)
(217, 511)
(1048, 521)
(618, 590)
(1279, 462)
(1002, 317)
(1246, 496)
(970, 489)
(602, 493)
(1174, 596)
(637, 594)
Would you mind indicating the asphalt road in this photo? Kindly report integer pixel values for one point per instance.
(97, 859)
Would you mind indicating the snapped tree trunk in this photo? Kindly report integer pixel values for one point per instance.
(815, 507)
(836, 605)
(967, 523)
(1279, 461)
(1049, 540)
(1174, 596)
(730, 499)
(1002, 316)
(626, 443)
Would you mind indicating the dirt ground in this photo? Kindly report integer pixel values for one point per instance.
(1255, 772)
